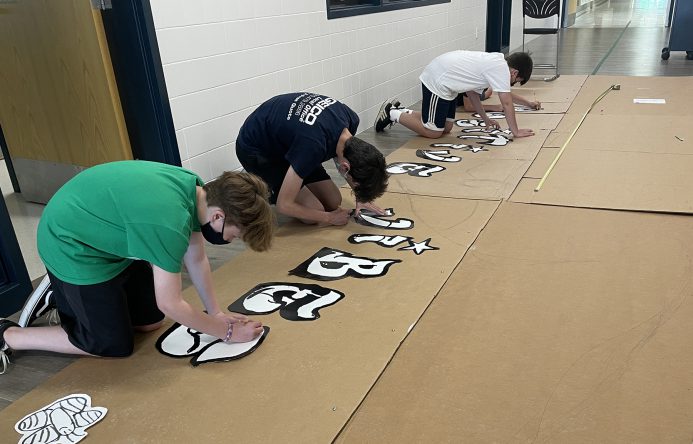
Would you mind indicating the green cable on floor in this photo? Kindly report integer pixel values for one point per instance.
(606, 56)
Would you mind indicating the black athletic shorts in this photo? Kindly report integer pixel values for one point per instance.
(99, 318)
(435, 111)
(461, 96)
(272, 171)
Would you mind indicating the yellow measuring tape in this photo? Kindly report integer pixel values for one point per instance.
(615, 87)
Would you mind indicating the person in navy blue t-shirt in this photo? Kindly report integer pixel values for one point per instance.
(286, 140)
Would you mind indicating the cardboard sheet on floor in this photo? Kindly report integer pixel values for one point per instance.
(524, 148)
(571, 81)
(306, 379)
(553, 107)
(560, 325)
(535, 120)
(645, 134)
(541, 163)
(491, 174)
(617, 180)
(565, 128)
(562, 90)
(556, 139)
(675, 90)
(554, 94)
(524, 192)
(546, 107)
(649, 134)
(538, 121)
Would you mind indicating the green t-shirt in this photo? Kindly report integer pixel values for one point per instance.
(110, 214)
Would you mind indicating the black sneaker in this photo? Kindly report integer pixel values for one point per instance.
(383, 120)
(5, 350)
(38, 305)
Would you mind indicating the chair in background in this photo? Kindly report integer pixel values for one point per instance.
(541, 10)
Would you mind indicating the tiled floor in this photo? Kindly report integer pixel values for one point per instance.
(619, 37)
(619, 13)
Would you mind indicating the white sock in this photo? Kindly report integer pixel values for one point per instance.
(396, 113)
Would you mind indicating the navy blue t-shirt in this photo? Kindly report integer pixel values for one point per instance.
(300, 128)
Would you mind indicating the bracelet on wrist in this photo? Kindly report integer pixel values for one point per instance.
(229, 332)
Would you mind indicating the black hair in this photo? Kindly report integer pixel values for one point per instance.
(522, 62)
(367, 169)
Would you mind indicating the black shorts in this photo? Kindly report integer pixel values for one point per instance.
(461, 96)
(436, 111)
(99, 318)
(272, 171)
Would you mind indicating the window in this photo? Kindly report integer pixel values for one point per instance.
(346, 8)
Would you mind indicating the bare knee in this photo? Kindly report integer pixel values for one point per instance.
(332, 203)
(323, 196)
(432, 134)
(11, 334)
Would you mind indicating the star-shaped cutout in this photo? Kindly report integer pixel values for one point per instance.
(419, 247)
(475, 149)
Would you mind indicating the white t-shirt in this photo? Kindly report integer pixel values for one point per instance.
(461, 71)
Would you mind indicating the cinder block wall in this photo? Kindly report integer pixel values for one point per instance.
(221, 58)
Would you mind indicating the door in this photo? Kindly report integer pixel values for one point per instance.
(498, 15)
(60, 112)
(60, 109)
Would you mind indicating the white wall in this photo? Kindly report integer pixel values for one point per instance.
(224, 57)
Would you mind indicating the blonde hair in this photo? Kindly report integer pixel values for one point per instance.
(244, 199)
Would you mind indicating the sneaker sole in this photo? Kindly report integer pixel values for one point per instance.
(37, 303)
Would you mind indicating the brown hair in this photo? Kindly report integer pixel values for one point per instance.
(367, 168)
(243, 197)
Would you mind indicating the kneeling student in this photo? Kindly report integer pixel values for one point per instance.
(114, 240)
(286, 140)
(459, 72)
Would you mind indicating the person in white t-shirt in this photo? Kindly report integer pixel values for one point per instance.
(464, 102)
(463, 71)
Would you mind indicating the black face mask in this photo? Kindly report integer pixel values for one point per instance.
(212, 236)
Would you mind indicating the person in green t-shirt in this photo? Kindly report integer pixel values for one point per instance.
(114, 240)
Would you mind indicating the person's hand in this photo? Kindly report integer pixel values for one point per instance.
(370, 206)
(339, 216)
(535, 105)
(491, 124)
(237, 317)
(523, 132)
(234, 318)
(246, 331)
